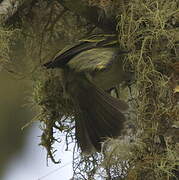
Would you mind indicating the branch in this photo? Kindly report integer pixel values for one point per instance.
(93, 14)
(9, 7)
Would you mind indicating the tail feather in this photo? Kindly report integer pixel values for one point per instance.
(82, 136)
(98, 116)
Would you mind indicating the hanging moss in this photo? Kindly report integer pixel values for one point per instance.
(7, 36)
(145, 28)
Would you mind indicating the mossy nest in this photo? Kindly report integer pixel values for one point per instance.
(56, 111)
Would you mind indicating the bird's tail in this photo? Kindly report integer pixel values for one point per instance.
(98, 115)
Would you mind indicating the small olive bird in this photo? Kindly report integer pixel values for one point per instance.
(90, 68)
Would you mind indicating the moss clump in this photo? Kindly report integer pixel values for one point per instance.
(7, 36)
(146, 29)
(56, 112)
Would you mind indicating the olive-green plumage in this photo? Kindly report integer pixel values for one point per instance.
(89, 68)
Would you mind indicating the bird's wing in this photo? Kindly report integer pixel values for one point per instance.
(93, 60)
(64, 56)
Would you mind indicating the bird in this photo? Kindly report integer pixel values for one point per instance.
(90, 68)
